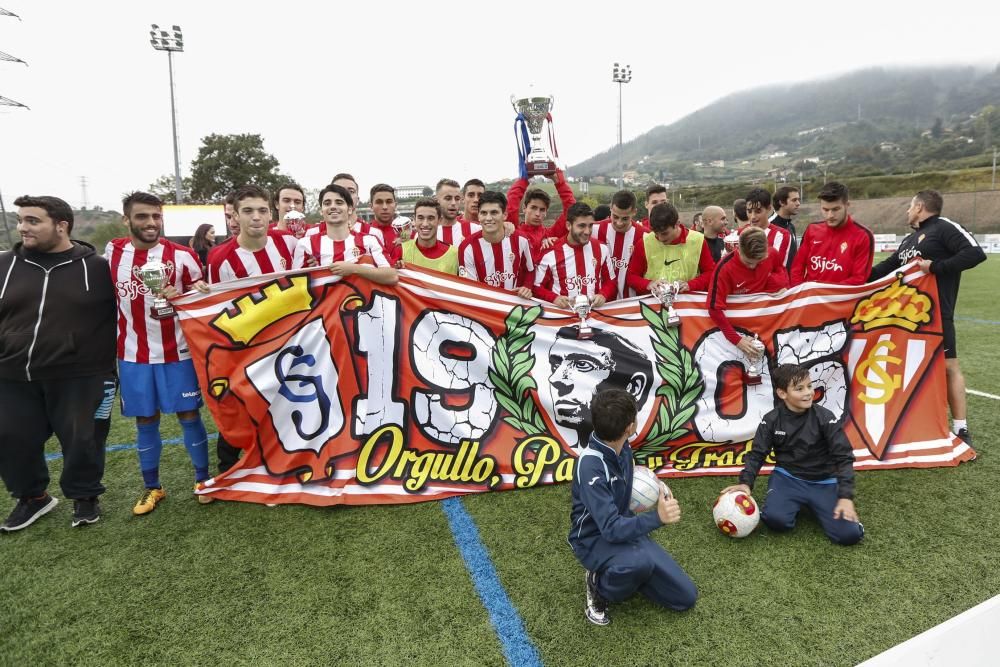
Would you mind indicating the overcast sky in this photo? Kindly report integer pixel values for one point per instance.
(407, 93)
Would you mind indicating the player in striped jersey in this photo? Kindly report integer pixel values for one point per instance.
(576, 265)
(452, 230)
(621, 234)
(257, 250)
(492, 257)
(349, 183)
(759, 210)
(383, 202)
(154, 365)
(341, 248)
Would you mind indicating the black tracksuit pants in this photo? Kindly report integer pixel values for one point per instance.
(77, 411)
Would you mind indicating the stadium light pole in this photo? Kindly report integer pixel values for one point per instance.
(165, 41)
(622, 74)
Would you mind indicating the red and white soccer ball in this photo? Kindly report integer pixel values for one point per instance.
(736, 514)
(645, 490)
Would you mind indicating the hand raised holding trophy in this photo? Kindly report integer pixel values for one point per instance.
(534, 112)
(154, 276)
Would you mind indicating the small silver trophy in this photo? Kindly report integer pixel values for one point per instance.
(403, 227)
(666, 292)
(154, 276)
(752, 377)
(295, 222)
(535, 110)
(581, 306)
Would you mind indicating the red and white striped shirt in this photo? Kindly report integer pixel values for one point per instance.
(141, 338)
(238, 262)
(621, 247)
(780, 239)
(505, 264)
(359, 227)
(327, 251)
(568, 270)
(457, 232)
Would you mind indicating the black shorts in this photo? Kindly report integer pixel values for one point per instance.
(948, 327)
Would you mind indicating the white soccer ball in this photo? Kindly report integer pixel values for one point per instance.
(645, 490)
(736, 514)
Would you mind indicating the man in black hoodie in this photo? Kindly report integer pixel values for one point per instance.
(57, 363)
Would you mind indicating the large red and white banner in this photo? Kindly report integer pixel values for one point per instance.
(341, 391)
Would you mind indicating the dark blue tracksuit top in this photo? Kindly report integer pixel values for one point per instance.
(602, 487)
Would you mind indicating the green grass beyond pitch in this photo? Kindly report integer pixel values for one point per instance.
(231, 583)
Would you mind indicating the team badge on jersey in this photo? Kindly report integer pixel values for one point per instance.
(843, 247)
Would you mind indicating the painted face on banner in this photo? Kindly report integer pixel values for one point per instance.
(579, 369)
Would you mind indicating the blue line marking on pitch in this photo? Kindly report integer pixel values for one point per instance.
(976, 321)
(517, 647)
(132, 445)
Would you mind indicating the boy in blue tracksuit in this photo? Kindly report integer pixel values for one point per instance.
(814, 462)
(611, 542)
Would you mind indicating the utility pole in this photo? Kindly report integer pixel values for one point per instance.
(83, 193)
(994, 186)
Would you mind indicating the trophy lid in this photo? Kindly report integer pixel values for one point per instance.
(400, 221)
(295, 215)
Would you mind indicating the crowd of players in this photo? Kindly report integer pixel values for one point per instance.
(73, 324)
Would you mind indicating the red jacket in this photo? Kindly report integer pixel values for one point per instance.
(733, 277)
(558, 230)
(840, 255)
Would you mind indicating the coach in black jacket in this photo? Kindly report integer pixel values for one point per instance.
(943, 248)
(57, 362)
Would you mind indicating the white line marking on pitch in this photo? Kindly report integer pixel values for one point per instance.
(983, 394)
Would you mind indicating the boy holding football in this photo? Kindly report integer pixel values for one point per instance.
(611, 542)
(814, 462)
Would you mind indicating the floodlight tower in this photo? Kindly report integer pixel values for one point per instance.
(621, 75)
(171, 42)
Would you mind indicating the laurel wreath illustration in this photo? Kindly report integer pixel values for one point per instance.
(682, 384)
(511, 371)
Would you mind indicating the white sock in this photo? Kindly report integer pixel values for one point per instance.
(957, 425)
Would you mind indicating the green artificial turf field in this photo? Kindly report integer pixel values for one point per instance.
(231, 583)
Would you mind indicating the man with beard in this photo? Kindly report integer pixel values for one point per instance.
(582, 368)
(451, 229)
(576, 265)
(154, 365)
(837, 250)
(713, 223)
(57, 363)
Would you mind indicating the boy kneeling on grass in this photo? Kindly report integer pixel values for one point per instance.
(608, 538)
(814, 462)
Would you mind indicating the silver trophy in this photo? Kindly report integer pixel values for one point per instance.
(535, 110)
(666, 292)
(581, 306)
(154, 276)
(295, 222)
(752, 377)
